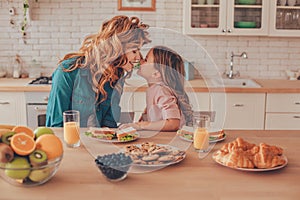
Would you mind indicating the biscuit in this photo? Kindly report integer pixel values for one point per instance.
(150, 157)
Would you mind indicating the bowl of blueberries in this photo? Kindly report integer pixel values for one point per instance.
(114, 166)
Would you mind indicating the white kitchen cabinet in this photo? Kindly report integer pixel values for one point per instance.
(283, 112)
(239, 110)
(226, 18)
(284, 20)
(12, 108)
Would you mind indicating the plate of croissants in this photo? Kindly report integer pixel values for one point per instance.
(242, 155)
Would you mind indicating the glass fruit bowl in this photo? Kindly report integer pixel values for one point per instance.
(22, 174)
(114, 167)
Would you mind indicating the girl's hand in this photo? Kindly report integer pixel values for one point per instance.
(133, 125)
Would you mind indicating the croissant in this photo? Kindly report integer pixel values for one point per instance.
(242, 154)
(268, 156)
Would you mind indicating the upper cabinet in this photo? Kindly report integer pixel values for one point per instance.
(230, 17)
(285, 18)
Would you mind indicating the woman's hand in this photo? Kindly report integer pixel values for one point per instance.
(133, 125)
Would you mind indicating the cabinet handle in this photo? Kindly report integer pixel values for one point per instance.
(297, 103)
(224, 30)
(46, 98)
(4, 102)
(229, 31)
(238, 105)
(297, 117)
(39, 109)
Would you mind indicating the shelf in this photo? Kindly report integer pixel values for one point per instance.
(289, 7)
(248, 6)
(205, 6)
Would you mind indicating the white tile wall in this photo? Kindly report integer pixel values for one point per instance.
(58, 27)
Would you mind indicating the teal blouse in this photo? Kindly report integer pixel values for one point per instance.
(73, 91)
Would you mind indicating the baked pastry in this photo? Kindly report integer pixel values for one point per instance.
(242, 154)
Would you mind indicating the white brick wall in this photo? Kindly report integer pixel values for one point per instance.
(58, 27)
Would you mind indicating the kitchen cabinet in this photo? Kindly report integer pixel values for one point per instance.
(283, 111)
(284, 20)
(226, 18)
(12, 108)
(239, 110)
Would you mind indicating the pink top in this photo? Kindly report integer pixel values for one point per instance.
(162, 104)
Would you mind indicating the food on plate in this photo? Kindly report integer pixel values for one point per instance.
(114, 166)
(6, 153)
(242, 154)
(102, 133)
(149, 153)
(187, 133)
(126, 134)
(120, 135)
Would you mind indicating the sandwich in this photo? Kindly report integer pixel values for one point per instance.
(103, 133)
(187, 132)
(126, 134)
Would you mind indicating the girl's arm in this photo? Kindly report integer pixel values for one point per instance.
(162, 125)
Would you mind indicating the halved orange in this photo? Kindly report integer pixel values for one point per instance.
(23, 129)
(22, 144)
(51, 145)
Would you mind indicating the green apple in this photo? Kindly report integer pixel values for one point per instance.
(39, 175)
(42, 130)
(18, 168)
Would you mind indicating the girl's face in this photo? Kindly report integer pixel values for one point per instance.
(147, 69)
(133, 56)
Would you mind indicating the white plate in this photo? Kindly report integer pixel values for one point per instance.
(161, 164)
(256, 169)
(210, 140)
(115, 140)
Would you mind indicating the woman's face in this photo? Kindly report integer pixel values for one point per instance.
(147, 69)
(133, 56)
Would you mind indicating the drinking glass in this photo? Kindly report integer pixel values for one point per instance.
(71, 120)
(201, 124)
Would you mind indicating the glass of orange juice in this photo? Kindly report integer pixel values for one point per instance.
(201, 134)
(71, 128)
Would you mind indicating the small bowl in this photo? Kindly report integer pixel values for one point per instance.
(42, 174)
(114, 167)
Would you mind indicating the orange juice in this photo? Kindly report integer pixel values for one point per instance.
(71, 133)
(201, 139)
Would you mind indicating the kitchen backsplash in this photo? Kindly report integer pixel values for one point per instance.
(58, 27)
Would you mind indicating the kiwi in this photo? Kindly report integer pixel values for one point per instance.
(38, 158)
(6, 137)
(6, 153)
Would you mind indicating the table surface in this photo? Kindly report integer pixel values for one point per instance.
(193, 178)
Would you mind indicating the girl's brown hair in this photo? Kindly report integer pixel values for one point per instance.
(104, 52)
(171, 67)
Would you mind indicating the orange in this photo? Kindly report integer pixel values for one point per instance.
(22, 144)
(23, 129)
(51, 145)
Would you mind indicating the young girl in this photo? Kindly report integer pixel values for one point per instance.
(168, 105)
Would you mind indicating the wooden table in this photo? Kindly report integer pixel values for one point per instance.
(79, 178)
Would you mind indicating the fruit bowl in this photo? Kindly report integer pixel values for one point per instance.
(27, 176)
(114, 167)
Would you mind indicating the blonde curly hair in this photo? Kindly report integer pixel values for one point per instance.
(104, 52)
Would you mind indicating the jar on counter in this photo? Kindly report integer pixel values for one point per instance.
(35, 69)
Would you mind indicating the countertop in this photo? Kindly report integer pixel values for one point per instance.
(79, 178)
(138, 85)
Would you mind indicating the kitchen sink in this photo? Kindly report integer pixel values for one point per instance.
(240, 83)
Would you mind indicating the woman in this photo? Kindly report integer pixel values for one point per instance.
(167, 103)
(91, 79)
